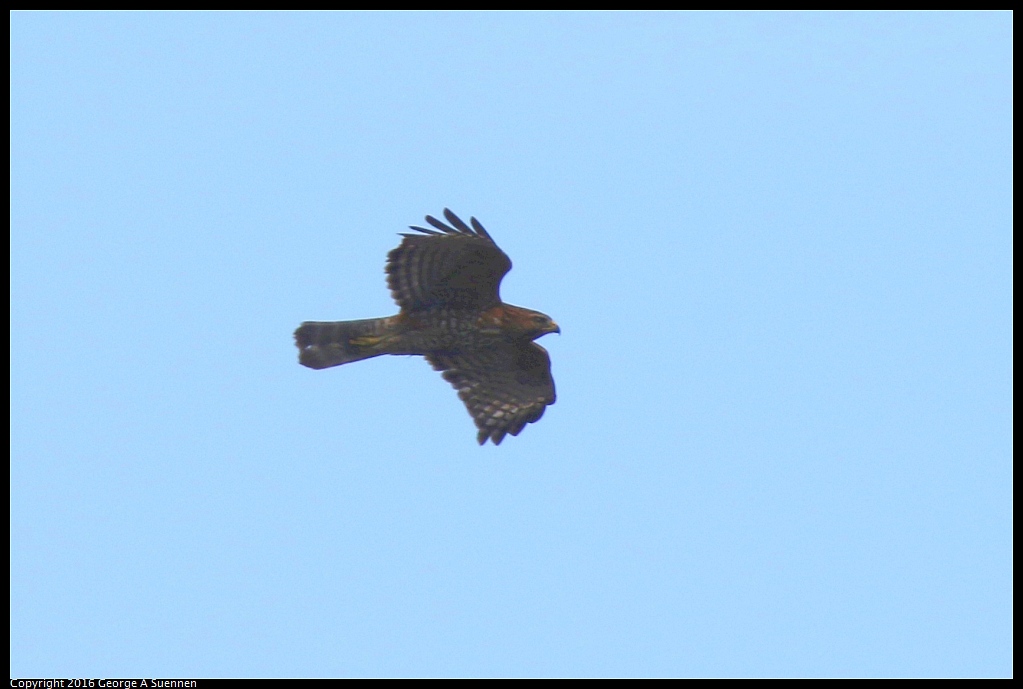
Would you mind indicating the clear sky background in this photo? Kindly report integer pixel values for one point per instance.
(779, 247)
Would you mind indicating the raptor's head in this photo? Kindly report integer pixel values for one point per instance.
(530, 323)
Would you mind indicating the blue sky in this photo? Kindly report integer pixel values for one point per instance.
(779, 249)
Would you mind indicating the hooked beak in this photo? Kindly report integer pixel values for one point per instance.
(555, 328)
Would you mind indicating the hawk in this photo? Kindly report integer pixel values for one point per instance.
(446, 281)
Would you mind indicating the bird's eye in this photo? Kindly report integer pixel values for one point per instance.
(539, 320)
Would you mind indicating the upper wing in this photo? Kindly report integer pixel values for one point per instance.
(453, 266)
(504, 387)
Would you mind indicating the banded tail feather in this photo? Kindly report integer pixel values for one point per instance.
(326, 344)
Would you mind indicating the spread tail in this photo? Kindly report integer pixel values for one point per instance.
(322, 345)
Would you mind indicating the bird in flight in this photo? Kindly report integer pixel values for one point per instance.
(446, 281)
